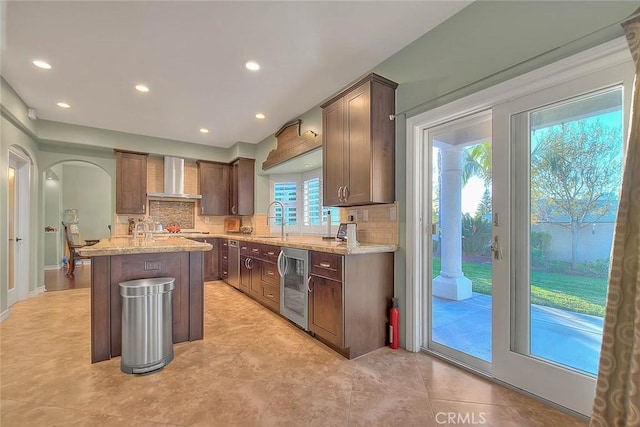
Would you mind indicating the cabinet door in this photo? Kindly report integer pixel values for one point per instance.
(131, 182)
(211, 261)
(245, 275)
(214, 187)
(326, 309)
(333, 155)
(255, 286)
(242, 186)
(358, 142)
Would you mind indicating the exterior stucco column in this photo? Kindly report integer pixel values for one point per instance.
(451, 283)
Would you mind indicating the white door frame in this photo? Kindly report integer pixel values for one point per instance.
(22, 165)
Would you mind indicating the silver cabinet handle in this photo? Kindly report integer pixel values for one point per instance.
(340, 193)
(234, 210)
(270, 273)
(345, 193)
(201, 209)
(250, 263)
(279, 264)
(325, 265)
(309, 284)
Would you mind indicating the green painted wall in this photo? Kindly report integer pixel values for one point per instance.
(87, 188)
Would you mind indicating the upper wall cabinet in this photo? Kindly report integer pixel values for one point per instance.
(214, 187)
(131, 182)
(242, 186)
(358, 140)
(227, 189)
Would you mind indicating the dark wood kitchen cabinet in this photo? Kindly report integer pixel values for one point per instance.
(211, 260)
(250, 277)
(131, 182)
(223, 259)
(349, 298)
(214, 188)
(242, 175)
(359, 144)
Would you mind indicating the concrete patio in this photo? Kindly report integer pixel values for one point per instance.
(560, 336)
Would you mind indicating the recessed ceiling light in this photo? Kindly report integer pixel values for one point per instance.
(252, 65)
(142, 88)
(63, 105)
(204, 130)
(42, 64)
(260, 116)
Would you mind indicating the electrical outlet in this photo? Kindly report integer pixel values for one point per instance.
(365, 215)
(393, 213)
(207, 220)
(353, 215)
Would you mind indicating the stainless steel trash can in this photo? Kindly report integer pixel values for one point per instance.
(147, 328)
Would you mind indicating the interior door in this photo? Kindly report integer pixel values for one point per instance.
(12, 293)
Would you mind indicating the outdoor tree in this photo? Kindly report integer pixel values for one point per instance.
(575, 175)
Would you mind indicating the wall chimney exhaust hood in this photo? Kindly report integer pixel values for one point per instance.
(174, 180)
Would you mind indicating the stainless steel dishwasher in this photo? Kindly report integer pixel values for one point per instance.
(234, 264)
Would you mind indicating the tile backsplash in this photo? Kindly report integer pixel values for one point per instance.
(168, 212)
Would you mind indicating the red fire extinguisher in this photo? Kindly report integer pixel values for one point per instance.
(394, 320)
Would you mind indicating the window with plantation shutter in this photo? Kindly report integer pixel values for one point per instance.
(301, 195)
(285, 193)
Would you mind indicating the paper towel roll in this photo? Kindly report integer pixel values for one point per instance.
(351, 235)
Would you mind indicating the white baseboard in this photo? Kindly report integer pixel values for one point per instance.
(53, 267)
(4, 316)
(41, 289)
(86, 261)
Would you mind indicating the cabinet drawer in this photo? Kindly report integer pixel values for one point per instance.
(224, 269)
(224, 245)
(255, 250)
(271, 296)
(270, 253)
(244, 248)
(270, 273)
(326, 265)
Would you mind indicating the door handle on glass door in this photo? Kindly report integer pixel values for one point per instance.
(496, 248)
(309, 285)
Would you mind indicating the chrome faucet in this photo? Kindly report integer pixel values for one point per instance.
(275, 202)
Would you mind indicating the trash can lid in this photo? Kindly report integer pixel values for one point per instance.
(141, 287)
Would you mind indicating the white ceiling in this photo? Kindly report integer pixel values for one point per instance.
(192, 56)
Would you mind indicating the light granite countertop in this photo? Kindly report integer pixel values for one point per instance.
(166, 242)
(308, 242)
(126, 245)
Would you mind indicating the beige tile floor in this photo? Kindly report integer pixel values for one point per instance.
(252, 369)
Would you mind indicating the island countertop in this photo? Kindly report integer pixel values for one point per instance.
(126, 245)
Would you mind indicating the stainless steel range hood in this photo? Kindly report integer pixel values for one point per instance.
(174, 180)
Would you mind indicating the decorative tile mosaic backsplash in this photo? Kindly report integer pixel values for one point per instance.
(168, 212)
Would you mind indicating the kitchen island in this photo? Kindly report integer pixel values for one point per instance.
(121, 258)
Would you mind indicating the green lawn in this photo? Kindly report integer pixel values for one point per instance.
(568, 292)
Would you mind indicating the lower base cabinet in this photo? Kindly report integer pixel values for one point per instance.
(259, 277)
(349, 299)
